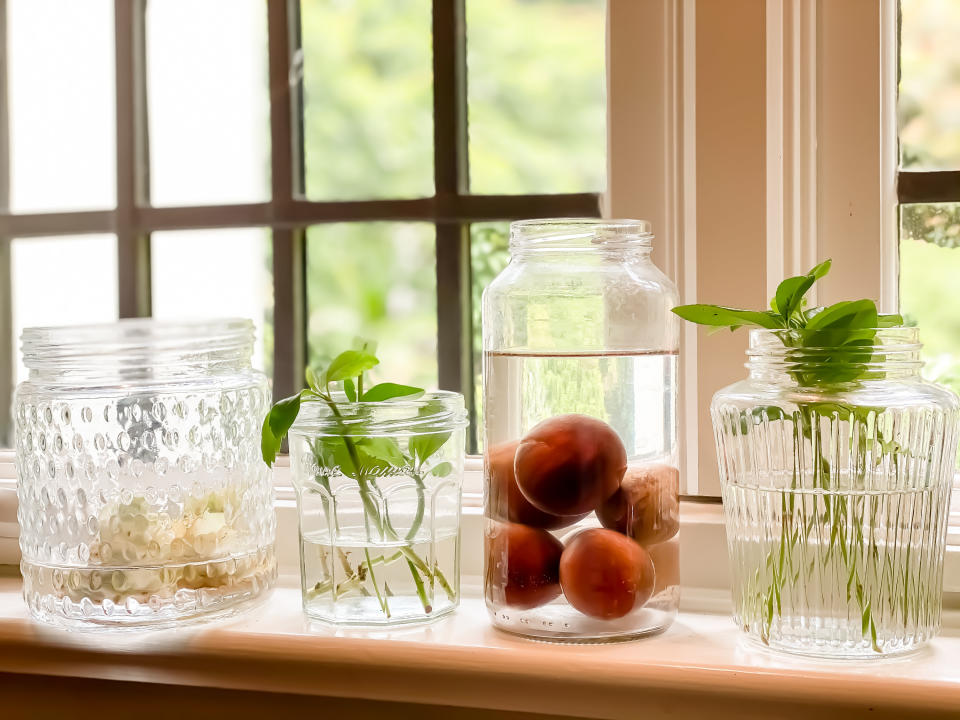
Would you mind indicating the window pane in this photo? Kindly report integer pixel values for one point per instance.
(216, 273)
(208, 101)
(536, 91)
(65, 280)
(929, 268)
(377, 281)
(61, 105)
(929, 102)
(367, 98)
(488, 256)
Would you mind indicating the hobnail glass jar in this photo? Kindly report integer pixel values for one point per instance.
(836, 493)
(378, 492)
(580, 461)
(142, 496)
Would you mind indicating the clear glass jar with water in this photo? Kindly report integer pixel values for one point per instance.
(378, 492)
(837, 463)
(143, 500)
(580, 434)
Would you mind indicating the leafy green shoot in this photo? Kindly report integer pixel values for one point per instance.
(344, 373)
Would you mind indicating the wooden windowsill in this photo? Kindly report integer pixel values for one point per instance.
(701, 665)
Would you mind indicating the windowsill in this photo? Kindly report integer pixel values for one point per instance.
(700, 665)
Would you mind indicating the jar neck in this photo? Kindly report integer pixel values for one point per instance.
(566, 238)
(137, 350)
(818, 359)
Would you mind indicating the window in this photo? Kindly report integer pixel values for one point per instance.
(311, 165)
(929, 180)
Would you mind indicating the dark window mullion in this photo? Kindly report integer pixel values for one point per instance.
(133, 248)
(289, 296)
(451, 180)
(928, 186)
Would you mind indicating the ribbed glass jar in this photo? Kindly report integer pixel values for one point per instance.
(143, 500)
(378, 491)
(836, 463)
(580, 437)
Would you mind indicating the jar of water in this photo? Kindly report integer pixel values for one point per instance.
(143, 500)
(580, 434)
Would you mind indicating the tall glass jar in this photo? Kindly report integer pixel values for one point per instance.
(836, 463)
(378, 491)
(580, 435)
(142, 496)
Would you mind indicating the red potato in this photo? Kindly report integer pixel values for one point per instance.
(504, 499)
(605, 575)
(523, 566)
(646, 507)
(569, 464)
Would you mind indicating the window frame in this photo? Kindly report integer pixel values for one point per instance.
(288, 214)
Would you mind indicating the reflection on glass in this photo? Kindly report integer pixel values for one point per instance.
(367, 94)
(488, 256)
(929, 101)
(536, 94)
(929, 268)
(61, 105)
(216, 274)
(64, 280)
(208, 101)
(377, 281)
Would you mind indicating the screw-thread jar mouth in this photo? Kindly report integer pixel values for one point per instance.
(814, 358)
(579, 235)
(137, 348)
(433, 412)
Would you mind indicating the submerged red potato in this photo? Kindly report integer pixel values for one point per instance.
(523, 565)
(504, 499)
(569, 464)
(605, 575)
(646, 506)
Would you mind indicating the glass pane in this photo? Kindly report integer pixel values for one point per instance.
(61, 105)
(488, 256)
(929, 268)
(216, 273)
(377, 281)
(367, 99)
(537, 95)
(208, 101)
(65, 280)
(929, 102)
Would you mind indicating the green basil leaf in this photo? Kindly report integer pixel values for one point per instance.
(275, 426)
(889, 320)
(350, 390)
(818, 271)
(849, 314)
(790, 294)
(386, 391)
(349, 364)
(719, 316)
(382, 448)
(269, 444)
(441, 469)
(423, 446)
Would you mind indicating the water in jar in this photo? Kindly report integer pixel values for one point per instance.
(582, 493)
(849, 573)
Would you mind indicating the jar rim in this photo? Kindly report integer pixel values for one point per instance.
(834, 356)
(580, 234)
(398, 416)
(144, 340)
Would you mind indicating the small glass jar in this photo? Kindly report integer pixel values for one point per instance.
(142, 496)
(378, 492)
(836, 463)
(580, 460)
